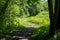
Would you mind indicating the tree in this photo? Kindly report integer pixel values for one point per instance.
(2, 12)
(58, 14)
(33, 9)
(52, 30)
(54, 16)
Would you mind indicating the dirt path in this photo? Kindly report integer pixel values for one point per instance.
(34, 25)
(24, 34)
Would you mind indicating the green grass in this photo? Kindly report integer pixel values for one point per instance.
(41, 19)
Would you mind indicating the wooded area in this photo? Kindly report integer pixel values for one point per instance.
(31, 19)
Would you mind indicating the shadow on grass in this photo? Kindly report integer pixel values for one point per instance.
(30, 33)
(18, 33)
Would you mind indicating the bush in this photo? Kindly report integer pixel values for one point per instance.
(41, 33)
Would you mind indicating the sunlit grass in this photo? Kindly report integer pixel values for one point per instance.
(40, 19)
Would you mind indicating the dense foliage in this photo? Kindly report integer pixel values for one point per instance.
(19, 14)
(12, 9)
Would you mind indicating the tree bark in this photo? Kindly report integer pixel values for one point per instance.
(54, 16)
(52, 29)
(58, 15)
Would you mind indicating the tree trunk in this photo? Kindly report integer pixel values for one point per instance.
(54, 17)
(58, 15)
(52, 29)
